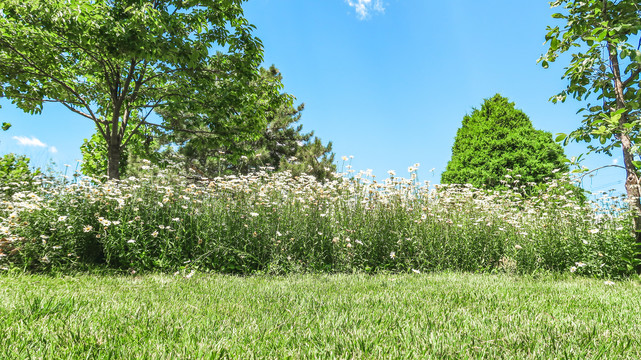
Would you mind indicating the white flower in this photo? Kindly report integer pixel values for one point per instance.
(580, 264)
(188, 276)
(349, 245)
(518, 247)
(416, 271)
(573, 269)
(608, 283)
(585, 242)
(410, 169)
(278, 233)
(154, 234)
(131, 241)
(344, 158)
(62, 218)
(175, 219)
(392, 255)
(593, 231)
(87, 228)
(423, 216)
(391, 172)
(253, 214)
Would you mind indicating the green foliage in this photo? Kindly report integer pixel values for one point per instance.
(117, 62)
(312, 157)
(15, 174)
(5, 126)
(497, 145)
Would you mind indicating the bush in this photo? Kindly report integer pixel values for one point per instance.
(15, 174)
(498, 140)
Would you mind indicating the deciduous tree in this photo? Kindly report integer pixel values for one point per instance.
(116, 62)
(602, 37)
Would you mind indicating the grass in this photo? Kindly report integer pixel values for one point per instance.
(423, 316)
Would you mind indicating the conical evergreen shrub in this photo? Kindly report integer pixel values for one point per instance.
(498, 140)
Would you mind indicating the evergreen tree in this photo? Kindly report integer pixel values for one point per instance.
(282, 145)
(498, 140)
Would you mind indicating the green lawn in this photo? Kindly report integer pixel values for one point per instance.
(423, 316)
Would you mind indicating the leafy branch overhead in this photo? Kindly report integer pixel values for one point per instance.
(118, 62)
(604, 68)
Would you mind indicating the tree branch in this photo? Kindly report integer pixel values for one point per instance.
(55, 79)
(599, 168)
(70, 107)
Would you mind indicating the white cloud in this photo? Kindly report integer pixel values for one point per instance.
(53, 149)
(365, 7)
(23, 140)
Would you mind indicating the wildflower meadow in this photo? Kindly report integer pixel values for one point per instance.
(277, 223)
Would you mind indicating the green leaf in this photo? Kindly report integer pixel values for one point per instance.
(5, 126)
(560, 137)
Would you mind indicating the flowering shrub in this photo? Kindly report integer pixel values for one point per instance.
(279, 223)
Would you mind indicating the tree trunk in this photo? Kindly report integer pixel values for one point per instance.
(632, 178)
(632, 185)
(113, 160)
(114, 142)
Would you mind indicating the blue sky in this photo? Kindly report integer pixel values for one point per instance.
(387, 81)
